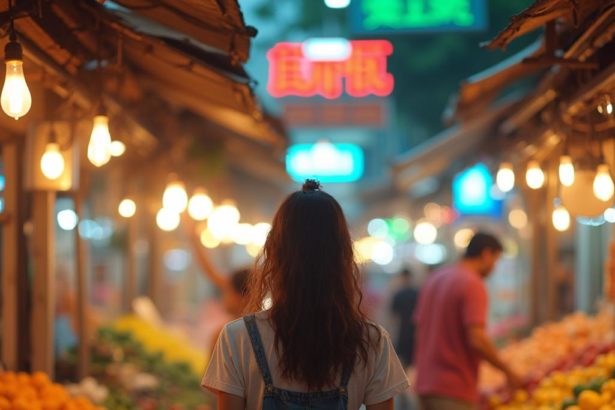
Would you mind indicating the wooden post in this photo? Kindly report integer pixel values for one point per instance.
(131, 263)
(155, 270)
(43, 240)
(10, 256)
(551, 243)
(83, 363)
(536, 213)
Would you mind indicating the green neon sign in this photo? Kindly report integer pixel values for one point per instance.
(390, 16)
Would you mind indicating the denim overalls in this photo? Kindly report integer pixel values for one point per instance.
(278, 399)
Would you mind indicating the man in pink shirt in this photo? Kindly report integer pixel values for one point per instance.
(451, 337)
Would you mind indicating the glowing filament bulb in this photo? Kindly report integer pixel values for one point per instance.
(127, 208)
(15, 99)
(561, 218)
(200, 205)
(100, 142)
(175, 197)
(52, 161)
(603, 183)
(534, 176)
(505, 178)
(566, 171)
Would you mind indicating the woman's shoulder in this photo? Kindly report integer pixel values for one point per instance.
(237, 328)
(234, 330)
(376, 331)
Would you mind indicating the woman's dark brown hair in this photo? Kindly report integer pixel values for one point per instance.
(308, 270)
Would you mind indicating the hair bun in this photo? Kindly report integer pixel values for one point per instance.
(311, 185)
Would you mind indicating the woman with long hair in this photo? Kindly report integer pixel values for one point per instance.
(313, 348)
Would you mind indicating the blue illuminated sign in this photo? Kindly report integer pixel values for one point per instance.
(325, 161)
(472, 192)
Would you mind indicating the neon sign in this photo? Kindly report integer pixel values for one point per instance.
(329, 68)
(325, 161)
(390, 16)
(472, 192)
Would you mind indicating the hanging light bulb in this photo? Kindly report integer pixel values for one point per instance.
(52, 161)
(117, 148)
(603, 183)
(200, 205)
(127, 208)
(566, 170)
(505, 178)
(560, 218)
(99, 152)
(605, 107)
(222, 220)
(175, 197)
(15, 99)
(167, 220)
(534, 176)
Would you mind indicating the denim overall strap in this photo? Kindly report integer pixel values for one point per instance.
(259, 351)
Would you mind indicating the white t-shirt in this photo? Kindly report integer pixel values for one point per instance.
(233, 368)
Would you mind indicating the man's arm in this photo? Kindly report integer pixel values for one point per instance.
(481, 343)
(385, 405)
(228, 401)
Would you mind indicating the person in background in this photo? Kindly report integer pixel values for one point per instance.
(233, 287)
(451, 335)
(314, 347)
(404, 302)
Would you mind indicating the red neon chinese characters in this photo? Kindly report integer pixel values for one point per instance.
(363, 73)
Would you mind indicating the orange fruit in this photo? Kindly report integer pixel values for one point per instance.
(589, 400)
(40, 380)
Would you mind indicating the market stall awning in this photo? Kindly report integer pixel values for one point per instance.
(481, 89)
(543, 12)
(218, 23)
(457, 144)
(204, 78)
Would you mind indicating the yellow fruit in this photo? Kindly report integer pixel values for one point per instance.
(590, 400)
(521, 396)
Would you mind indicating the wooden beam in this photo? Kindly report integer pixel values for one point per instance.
(10, 256)
(43, 240)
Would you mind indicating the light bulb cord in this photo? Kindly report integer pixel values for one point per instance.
(12, 33)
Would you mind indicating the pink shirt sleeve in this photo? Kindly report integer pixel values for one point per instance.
(474, 303)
